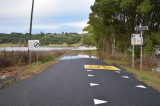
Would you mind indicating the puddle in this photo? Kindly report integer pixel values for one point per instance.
(68, 57)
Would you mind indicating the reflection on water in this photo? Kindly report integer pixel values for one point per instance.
(46, 48)
(68, 57)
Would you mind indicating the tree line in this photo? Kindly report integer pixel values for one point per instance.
(112, 22)
(45, 38)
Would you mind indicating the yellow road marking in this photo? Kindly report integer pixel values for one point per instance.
(100, 67)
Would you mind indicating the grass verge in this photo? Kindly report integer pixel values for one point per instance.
(151, 78)
(18, 66)
(33, 69)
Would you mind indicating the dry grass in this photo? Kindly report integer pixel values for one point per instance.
(151, 78)
(17, 63)
(33, 69)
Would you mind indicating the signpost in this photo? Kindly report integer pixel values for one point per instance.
(136, 39)
(141, 28)
(33, 45)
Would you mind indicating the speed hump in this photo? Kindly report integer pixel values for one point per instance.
(101, 67)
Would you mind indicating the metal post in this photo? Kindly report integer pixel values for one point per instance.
(141, 54)
(37, 55)
(133, 57)
(30, 56)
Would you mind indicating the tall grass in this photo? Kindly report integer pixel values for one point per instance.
(149, 62)
(14, 59)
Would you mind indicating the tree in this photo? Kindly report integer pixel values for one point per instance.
(113, 21)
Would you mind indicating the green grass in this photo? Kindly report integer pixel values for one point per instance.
(151, 78)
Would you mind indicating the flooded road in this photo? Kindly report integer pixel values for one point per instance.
(68, 57)
(46, 48)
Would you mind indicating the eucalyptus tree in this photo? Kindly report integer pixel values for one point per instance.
(113, 21)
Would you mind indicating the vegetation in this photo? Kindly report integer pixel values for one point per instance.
(151, 78)
(111, 23)
(45, 39)
(88, 40)
(17, 63)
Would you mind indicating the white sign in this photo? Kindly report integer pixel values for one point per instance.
(136, 39)
(141, 28)
(33, 44)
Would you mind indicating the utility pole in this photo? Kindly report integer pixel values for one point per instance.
(30, 31)
(31, 20)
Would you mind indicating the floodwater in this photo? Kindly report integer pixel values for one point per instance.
(68, 57)
(46, 48)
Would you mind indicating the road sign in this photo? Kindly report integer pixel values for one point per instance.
(136, 39)
(141, 28)
(33, 44)
(36, 44)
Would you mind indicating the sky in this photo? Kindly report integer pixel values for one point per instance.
(50, 16)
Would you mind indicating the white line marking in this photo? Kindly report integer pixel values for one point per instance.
(140, 86)
(97, 101)
(93, 84)
(89, 70)
(125, 77)
(118, 72)
(90, 75)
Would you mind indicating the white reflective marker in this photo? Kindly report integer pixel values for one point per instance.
(89, 70)
(140, 86)
(90, 75)
(93, 84)
(125, 77)
(97, 101)
(117, 71)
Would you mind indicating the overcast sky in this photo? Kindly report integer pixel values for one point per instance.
(49, 15)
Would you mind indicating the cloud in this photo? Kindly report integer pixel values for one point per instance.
(67, 27)
(50, 15)
(59, 27)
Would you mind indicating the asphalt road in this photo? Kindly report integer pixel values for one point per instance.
(68, 83)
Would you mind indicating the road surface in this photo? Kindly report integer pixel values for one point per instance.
(68, 83)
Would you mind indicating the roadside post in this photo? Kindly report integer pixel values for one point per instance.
(33, 45)
(135, 40)
(141, 29)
